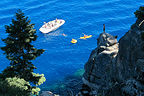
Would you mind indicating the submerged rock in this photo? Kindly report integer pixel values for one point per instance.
(69, 86)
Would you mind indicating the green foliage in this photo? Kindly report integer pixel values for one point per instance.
(40, 78)
(14, 87)
(140, 13)
(62, 87)
(35, 91)
(19, 50)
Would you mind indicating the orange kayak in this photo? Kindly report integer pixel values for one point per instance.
(86, 36)
(73, 41)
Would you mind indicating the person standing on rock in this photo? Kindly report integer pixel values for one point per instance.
(104, 28)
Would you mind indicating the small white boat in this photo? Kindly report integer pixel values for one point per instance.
(51, 26)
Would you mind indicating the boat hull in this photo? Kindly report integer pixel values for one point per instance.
(44, 29)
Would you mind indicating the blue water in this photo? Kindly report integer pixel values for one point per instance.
(62, 58)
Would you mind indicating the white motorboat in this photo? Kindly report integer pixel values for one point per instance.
(51, 26)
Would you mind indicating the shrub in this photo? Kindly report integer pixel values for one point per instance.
(140, 13)
(14, 87)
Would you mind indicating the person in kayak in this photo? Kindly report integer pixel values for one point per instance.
(85, 36)
(74, 41)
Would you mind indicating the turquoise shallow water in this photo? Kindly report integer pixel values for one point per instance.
(62, 58)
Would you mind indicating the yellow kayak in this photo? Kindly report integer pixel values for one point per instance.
(86, 36)
(74, 41)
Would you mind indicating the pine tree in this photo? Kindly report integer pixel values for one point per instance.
(19, 50)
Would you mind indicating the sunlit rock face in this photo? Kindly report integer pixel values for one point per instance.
(99, 69)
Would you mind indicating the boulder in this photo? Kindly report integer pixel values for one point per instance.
(47, 93)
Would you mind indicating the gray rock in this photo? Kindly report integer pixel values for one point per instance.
(98, 71)
(133, 88)
(116, 69)
(47, 93)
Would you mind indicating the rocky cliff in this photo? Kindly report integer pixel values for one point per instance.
(117, 68)
(99, 68)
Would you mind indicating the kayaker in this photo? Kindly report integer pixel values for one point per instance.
(85, 36)
(74, 41)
